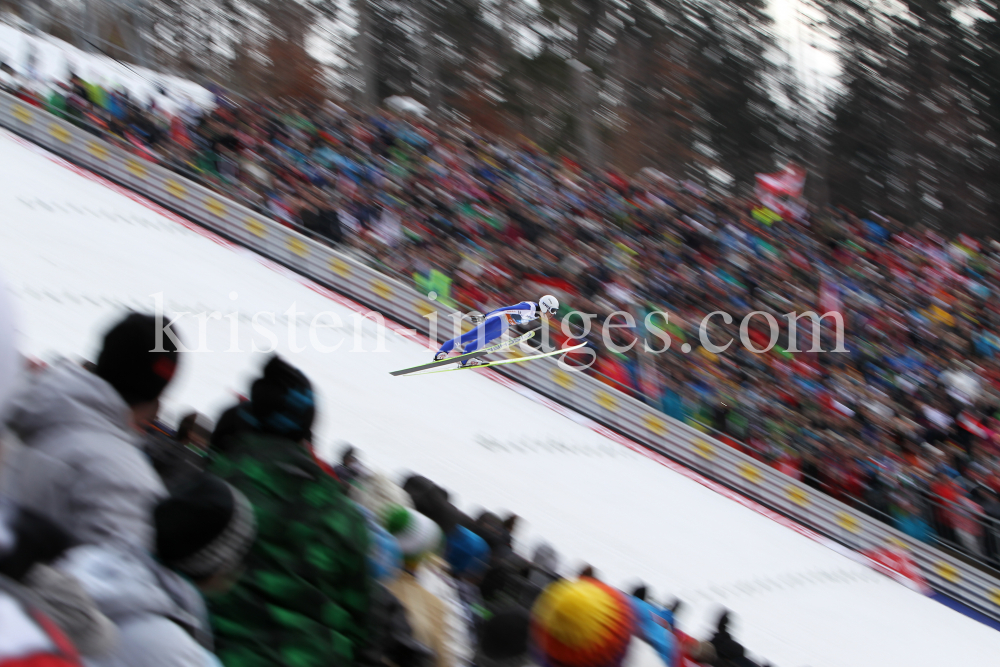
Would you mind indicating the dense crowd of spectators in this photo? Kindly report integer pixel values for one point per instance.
(124, 542)
(903, 425)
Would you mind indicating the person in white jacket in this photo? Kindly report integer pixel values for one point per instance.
(80, 464)
(204, 530)
(161, 618)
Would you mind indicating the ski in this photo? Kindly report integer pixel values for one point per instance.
(471, 355)
(508, 361)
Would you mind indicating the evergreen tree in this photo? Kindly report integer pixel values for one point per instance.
(738, 121)
(906, 138)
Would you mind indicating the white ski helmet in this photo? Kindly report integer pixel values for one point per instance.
(548, 304)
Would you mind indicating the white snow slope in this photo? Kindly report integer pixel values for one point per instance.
(77, 253)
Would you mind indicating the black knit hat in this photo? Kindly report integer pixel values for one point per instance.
(205, 527)
(129, 363)
(282, 401)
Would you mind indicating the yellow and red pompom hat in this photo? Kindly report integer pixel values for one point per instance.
(581, 623)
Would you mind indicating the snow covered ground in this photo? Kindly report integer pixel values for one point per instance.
(54, 58)
(77, 254)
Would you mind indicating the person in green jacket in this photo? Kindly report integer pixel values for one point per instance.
(303, 599)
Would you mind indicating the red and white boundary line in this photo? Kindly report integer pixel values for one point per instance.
(904, 573)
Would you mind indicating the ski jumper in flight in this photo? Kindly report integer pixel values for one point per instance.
(495, 324)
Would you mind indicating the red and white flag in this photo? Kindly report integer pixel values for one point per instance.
(966, 421)
(789, 182)
(778, 191)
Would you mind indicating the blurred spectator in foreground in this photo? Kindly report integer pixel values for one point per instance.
(729, 652)
(504, 639)
(179, 458)
(31, 632)
(455, 580)
(391, 638)
(582, 623)
(544, 565)
(654, 626)
(27, 635)
(80, 464)
(29, 545)
(419, 537)
(203, 531)
(510, 525)
(434, 501)
(373, 490)
(194, 431)
(350, 468)
(305, 596)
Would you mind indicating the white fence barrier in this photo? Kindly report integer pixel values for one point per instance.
(402, 303)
